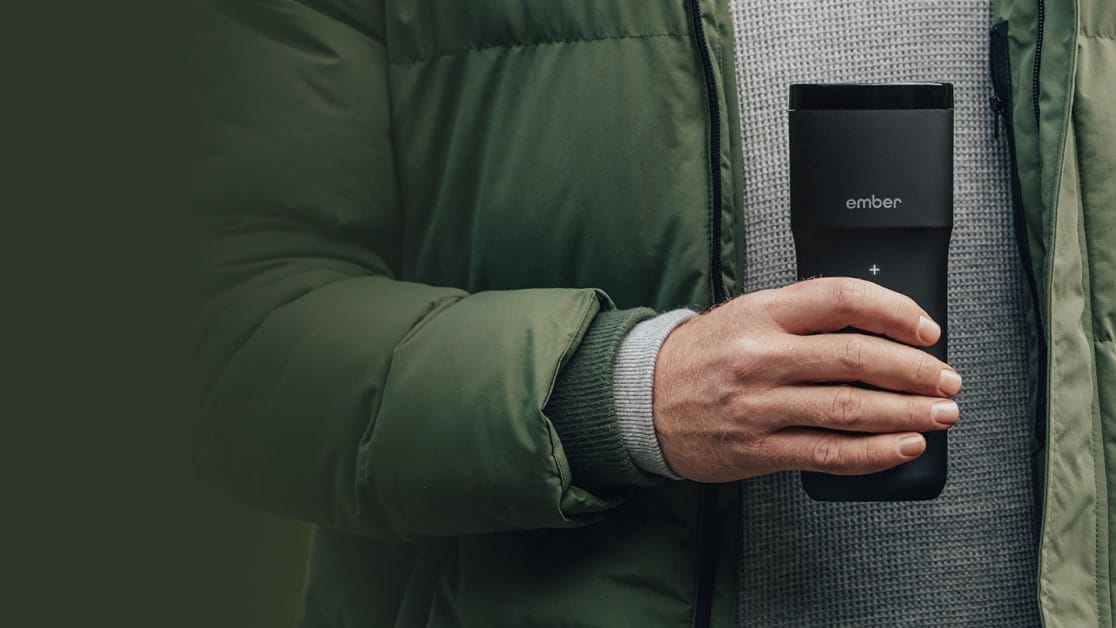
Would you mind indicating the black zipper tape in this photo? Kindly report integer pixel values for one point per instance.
(707, 535)
(1040, 21)
(716, 191)
(1000, 62)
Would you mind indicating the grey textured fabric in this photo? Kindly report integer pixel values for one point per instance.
(966, 558)
(633, 377)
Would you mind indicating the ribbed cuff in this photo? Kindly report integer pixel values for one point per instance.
(583, 411)
(632, 385)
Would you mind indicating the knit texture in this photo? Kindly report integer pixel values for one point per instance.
(966, 558)
(583, 411)
(633, 380)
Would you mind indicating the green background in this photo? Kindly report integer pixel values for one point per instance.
(103, 523)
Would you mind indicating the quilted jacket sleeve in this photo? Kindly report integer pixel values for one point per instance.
(334, 391)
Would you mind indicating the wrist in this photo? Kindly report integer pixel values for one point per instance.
(633, 389)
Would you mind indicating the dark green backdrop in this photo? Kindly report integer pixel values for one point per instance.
(101, 523)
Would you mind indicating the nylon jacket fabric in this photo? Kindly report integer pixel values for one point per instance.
(415, 210)
(1064, 116)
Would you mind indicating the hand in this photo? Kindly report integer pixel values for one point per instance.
(738, 389)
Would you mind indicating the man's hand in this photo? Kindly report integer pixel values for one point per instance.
(737, 389)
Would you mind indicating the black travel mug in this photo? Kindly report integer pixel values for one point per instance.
(871, 191)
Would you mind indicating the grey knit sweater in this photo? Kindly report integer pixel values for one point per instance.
(964, 559)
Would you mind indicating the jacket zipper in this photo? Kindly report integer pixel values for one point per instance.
(1037, 484)
(707, 535)
(1041, 19)
(719, 290)
(1002, 106)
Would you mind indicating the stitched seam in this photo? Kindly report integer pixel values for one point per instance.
(531, 44)
(586, 316)
(1097, 480)
(1088, 272)
(1063, 129)
(1098, 455)
(1093, 433)
(1066, 129)
(364, 463)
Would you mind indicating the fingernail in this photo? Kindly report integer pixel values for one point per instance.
(910, 446)
(945, 412)
(949, 382)
(928, 330)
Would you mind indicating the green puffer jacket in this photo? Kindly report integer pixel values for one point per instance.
(419, 211)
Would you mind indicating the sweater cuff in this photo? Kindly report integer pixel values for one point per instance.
(633, 385)
(582, 409)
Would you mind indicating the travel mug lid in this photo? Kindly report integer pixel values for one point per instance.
(815, 96)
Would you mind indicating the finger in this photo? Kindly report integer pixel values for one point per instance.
(858, 410)
(868, 359)
(803, 449)
(834, 303)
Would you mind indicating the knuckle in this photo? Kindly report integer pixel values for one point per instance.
(847, 294)
(826, 453)
(753, 354)
(869, 457)
(798, 462)
(923, 365)
(762, 447)
(852, 353)
(846, 407)
(764, 305)
(915, 410)
(745, 408)
(725, 449)
(727, 402)
(758, 450)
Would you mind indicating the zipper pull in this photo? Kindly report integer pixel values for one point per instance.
(1000, 110)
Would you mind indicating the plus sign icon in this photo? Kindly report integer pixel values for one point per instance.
(874, 269)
